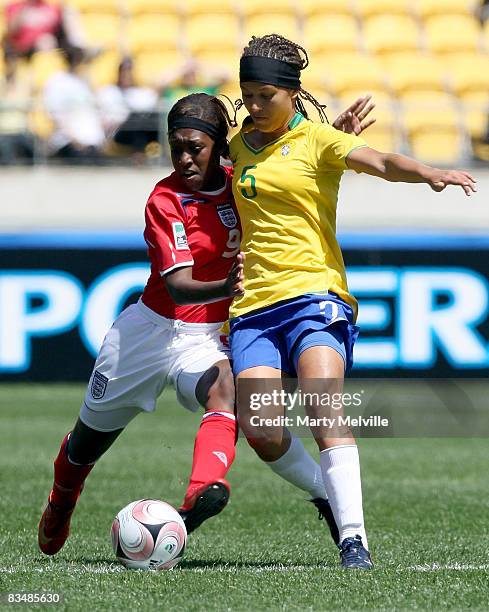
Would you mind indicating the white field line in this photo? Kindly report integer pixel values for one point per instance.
(434, 567)
(114, 568)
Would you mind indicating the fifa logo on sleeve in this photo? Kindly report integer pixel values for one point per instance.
(180, 237)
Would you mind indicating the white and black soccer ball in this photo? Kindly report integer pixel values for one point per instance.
(149, 534)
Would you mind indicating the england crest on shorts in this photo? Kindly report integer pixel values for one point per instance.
(99, 385)
(227, 216)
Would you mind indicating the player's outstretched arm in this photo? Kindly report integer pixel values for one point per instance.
(184, 289)
(399, 168)
(353, 120)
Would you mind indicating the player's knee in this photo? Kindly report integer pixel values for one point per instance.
(216, 388)
(267, 444)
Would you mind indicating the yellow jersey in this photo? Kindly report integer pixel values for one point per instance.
(286, 193)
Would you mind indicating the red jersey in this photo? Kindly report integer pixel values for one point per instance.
(37, 19)
(201, 230)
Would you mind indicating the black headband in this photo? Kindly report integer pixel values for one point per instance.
(271, 71)
(196, 124)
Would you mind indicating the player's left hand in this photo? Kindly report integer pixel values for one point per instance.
(442, 178)
(235, 279)
(353, 119)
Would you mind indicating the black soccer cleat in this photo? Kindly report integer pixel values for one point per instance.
(354, 555)
(208, 502)
(325, 512)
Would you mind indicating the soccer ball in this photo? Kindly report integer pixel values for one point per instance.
(149, 534)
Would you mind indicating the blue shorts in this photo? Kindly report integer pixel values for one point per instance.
(276, 336)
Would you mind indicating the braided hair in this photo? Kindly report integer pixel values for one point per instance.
(277, 47)
(208, 108)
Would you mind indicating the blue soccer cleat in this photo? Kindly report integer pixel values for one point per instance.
(354, 555)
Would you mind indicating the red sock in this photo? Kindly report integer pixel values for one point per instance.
(68, 478)
(214, 450)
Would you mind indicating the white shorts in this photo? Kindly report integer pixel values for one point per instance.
(142, 353)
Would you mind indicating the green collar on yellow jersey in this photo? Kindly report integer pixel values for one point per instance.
(293, 123)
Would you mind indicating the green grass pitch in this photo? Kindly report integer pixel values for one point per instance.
(426, 505)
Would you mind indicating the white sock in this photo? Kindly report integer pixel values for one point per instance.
(340, 466)
(299, 468)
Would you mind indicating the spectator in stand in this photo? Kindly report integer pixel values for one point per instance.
(16, 140)
(130, 113)
(484, 11)
(72, 105)
(37, 25)
(186, 79)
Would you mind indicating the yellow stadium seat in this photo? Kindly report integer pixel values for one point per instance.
(369, 8)
(44, 64)
(313, 8)
(358, 73)
(96, 6)
(391, 33)
(206, 32)
(476, 113)
(285, 25)
(247, 8)
(384, 134)
(434, 128)
(221, 60)
(313, 78)
(103, 69)
(148, 67)
(102, 30)
(415, 72)
(197, 7)
(40, 123)
(153, 7)
(452, 33)
(331, 34)
(429, 8)
(153, 33)
(380, 96)
(469, 73)
(427, 100)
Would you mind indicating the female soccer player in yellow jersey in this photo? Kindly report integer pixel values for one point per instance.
(296, 315)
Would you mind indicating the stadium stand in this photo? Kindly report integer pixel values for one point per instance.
(210, 32)
(97, 7)
(368, 8)
(391, 33)
(247, 8)
(150, 7)
(312, 8)
(334, 34)
(452, 33)
(257, 25)
(425, 61)
(429, 8)
(144, 33)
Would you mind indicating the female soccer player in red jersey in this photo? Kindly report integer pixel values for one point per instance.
(172, 335)
(296, 315)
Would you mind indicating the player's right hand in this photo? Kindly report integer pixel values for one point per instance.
(235, 280)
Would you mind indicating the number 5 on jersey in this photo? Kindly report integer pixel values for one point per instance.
(249, 191)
